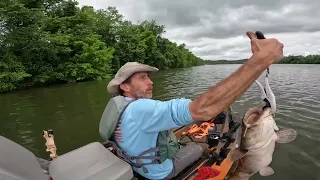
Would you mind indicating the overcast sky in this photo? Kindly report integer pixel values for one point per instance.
(216, 29)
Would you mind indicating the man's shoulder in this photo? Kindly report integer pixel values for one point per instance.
(150, 105)
(144, 101)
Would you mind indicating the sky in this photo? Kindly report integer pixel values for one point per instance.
(216, 29)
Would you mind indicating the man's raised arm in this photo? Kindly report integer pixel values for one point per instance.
(209, 104)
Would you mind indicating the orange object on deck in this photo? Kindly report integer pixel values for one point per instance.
(202, 129)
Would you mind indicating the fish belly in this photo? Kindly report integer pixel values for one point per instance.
(258, 159)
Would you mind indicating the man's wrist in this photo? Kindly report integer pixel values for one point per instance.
(259, 62)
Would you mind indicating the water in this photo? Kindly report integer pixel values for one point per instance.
(73, 111)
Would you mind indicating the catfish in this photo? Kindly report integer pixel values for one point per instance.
(258, 138)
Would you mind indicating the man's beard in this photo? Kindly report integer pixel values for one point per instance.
(139, 94)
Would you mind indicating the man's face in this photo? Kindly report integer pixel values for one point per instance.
(140, 85)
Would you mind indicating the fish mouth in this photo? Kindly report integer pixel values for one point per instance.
(255, 116)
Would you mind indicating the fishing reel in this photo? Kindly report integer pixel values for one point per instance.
(214, 136)
(213, 140)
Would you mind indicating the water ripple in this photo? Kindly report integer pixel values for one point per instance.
(74, 110)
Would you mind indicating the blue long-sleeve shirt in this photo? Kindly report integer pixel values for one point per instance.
(140, 124)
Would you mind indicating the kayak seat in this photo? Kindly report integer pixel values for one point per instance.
(18, 163)
(90, 162)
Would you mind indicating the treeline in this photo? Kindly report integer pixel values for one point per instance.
(55, 41)
(224, 61)
(310, 59)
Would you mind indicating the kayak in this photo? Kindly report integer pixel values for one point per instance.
(97, 160)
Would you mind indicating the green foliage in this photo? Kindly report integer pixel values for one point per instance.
(12, 73)
(54, 41)
(310, 59)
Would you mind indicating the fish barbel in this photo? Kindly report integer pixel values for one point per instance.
(259, 136)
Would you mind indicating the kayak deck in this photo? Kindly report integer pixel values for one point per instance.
(224, 167)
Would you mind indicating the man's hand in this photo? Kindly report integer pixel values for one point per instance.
(221, 96)
(269, 49)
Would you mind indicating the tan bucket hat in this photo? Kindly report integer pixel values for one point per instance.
(125, 72)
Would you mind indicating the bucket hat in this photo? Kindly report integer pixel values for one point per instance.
(124, 73)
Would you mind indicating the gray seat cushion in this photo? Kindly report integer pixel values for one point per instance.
(90, 162)
(18, 163)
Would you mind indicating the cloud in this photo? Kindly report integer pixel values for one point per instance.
(217, 29)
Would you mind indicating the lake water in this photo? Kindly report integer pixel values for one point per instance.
(73, 111)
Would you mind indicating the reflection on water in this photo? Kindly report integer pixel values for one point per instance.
(73, 111)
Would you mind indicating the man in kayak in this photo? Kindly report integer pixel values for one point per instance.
(140, 126)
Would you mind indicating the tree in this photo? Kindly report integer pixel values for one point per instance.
(55, 41)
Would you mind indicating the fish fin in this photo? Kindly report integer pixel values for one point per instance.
(275, 127)
(286, 135)
(267, 171)
(245, 176)
(237, 154)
